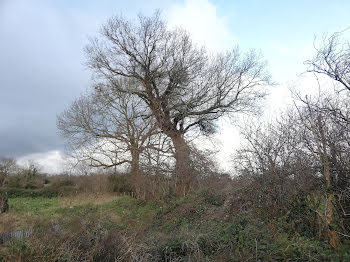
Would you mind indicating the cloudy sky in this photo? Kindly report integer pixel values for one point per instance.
(42, 60)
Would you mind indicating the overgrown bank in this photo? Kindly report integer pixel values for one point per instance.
(200, 227)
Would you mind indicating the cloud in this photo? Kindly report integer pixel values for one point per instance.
(52, 162)
(41, 72)
(42, 67)
(201, 19)
(210, 29)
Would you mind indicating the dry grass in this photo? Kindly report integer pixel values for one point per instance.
(14, 222)
(11, 222)
(86, 198)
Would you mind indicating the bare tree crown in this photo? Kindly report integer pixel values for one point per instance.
(183, 85)
(333, 59)
(106, 126)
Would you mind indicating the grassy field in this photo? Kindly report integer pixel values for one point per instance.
(27, 213)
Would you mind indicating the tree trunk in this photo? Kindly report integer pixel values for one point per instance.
(329, 205)
(134, 170)
(183, 169)
(135, 162)
(328, 216)
(3, 204)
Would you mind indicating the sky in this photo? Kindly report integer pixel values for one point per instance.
(42, 59)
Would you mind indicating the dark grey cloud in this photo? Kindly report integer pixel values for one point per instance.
(41, 72)
(41, 65)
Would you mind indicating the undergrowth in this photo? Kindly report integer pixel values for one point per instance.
(194, 228)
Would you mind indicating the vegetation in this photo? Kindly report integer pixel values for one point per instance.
(198, 227)
(287, 198)
(19, 192)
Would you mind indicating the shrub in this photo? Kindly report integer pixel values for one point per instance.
(12, 181)
(20, 192)
(23, 181)
(64, 186)
(120, 183)
(94, 183)
(215, 198)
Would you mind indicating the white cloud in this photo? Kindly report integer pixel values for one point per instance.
(201, 19)
(208, 28)
(52, 162)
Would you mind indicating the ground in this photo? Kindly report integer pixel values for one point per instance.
(193, 228)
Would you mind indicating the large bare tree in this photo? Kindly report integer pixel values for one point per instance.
(330, 118)
(184, 86)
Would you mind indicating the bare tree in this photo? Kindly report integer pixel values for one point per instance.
(315, 122)
(183, 85)
(330, 116)
(108, 128)
(305, 154)
(158, 160)
(333, 60)
(7, 165)
(274, 157)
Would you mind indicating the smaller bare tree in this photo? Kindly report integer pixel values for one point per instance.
(7, 165)
(108, 129)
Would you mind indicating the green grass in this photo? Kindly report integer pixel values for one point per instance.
(126, 211)
(35, 206)
(124, 206)
(26, 212)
